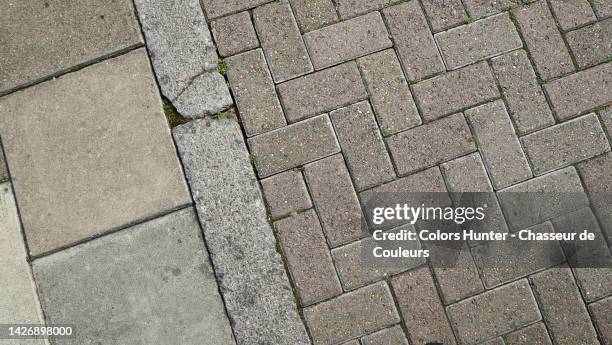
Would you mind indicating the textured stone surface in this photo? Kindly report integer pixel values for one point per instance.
(566, 143)
(591, 44)
(327, 90)
(256, 99)
(494, 313)
(18, 298)
(535, 334)
(286, 193)
(571, 14)
(234, 34)
(481, 8)
(240, 241)
(421, 307)
(39, 38)
(347, 40)
(498, 143)
(57, 133)
(353, 314)
(482, 39)
(526, 102)
(455, 91)
(457, 279)
(603, 8)
(4, 175)
(466, 174)
(114, 288)
(496, 341)
(562, 308)
(544, 41)
(281, 41)
(597, 177)
(542, 198)
(431, 144)
(314, 14)
(444, 14)
(413, 41)
(362, 145)
(389, 336)
(605, 115)
(335, 199)
(207, 94)
(293, 145)
(352, 8)
(600, 312)
(308, 258)
(219, 8)
(389, 92)
(581, 91)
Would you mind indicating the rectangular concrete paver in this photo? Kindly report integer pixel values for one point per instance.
(57, 133)
(499, 145)
(526, 102)
(327, 90)
(114, 288)
(481, 8)
(544, 41)
(347, 40)
(234, 34)
(314, 14)
(482, 39)
(580, 92)
(308, 258)
(256, 99)
(413, 40)
(456, 273)
(431, 144)
(220, 8)
(18, 299)
(335, 200)
(591, 44)
(388, 336)
(456, 90)
(597, 177)
(535, 334)
(352, 8)
(571, 14)
(566, 143)
(293, 146)
(286, 193)
(562, 307)
(353, 314)
(494, 313)
(281, 41)
(444, 14)
(603, 8)
(600, 312)
(362, 145)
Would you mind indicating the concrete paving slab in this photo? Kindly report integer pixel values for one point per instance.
(149, 284)
(89, 152)
(18, 299)
(41, 38)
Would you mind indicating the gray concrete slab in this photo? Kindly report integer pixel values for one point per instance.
(89, 152)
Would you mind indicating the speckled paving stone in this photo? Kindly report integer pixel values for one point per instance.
(496, 341)
(503, 261)
(308, 258)
(482, 39)
(347, 40)
(40, 39)
(421, 307)
(352, 314)
(219, 8)
(293, 145)
(597, 177)
(600, 312)
(352, 8)
(539, 199)
(591, 44)
(456, 90)
(444, 14)
(362, 145)
(281, 41)
(481, 8)
(389, 336)
(580, 92)
(83, 122)
(256, 99)
(357, 265)
(562, 307)
(535, 334)
(566, 143)
(286, 193)
(114, 288)
(603, 8)
(314, 14)
(494, 313)
(413, 41)
(526, 102)
(605, 115)
(431, 144)
(327, 90)
(234, 34)
(545, 43)
(389, 92)
(571, 14)
(335, 200)
(457, 279)
(498, 144)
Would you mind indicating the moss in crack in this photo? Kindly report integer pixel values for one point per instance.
(173, 117)
(221, 67)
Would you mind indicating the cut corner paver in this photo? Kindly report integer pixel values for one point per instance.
(286, 193)
(234, 34)
(207, 94)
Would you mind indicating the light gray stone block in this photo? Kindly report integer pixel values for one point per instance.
(206, 95)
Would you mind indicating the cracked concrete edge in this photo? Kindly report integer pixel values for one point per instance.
(183, 56)
(251, 275)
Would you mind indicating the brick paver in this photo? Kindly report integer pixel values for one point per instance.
(481, 8)
(219, 8)
(314, 14)
(457, 279)
(602, 318)
(234, 34)
(571, 14)
(390, 336)
(535, 334)
(444, 14)
(352, 8)
(597, 177)
(286, 193)
(591, 44)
